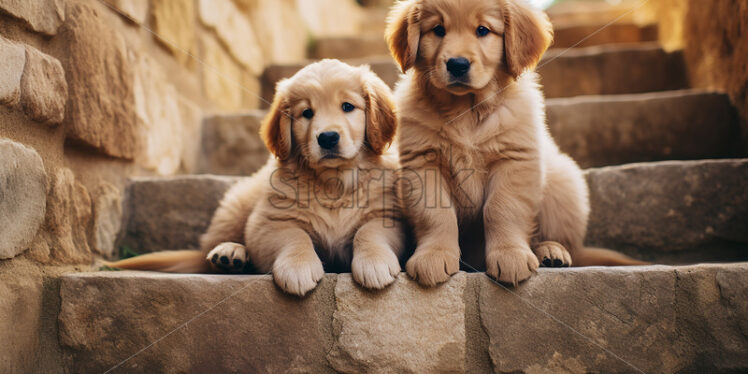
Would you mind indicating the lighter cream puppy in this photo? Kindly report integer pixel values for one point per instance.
(327, 199)
(481, 170)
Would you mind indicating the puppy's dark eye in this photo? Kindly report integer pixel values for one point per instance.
(439, 31)
(482, 31)
(347, 107)
(308, 113)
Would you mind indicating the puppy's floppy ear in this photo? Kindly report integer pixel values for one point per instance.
(276, 127)
(528, 33)
(381, 123)
(404, 33)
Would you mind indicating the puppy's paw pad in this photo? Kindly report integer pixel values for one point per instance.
(552, 254)
(511, 265)
(228, 256)
(298, 276)
(375, 269)
(430, 267)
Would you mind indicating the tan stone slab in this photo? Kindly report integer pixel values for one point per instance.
(23, 197)
(404, 328)
(618, 129)
(14, 60)
(192, 323)
(635, 319)
(231, 144)
(43, 16)
(98, 71)
(44, 90)
(672, 211)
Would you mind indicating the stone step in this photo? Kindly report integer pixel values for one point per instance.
(574, 35)
(619, 129)
(670, 212)
(614, 69)
(231, 144)
(654, 319)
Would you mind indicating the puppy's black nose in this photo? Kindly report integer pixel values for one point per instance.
(328, 139)
(458, 66)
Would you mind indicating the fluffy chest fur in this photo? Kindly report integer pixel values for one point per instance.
(466, 142)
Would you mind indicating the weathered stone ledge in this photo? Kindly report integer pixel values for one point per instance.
(618, 129)
(666, 212)
(654, 318)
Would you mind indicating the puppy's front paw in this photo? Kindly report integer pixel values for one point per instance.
(227, 256)
(430, 267)
(375, 268)
(299, 273)
(553, 255)
(511, 265)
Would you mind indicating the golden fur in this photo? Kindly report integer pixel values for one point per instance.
(480, 168)
(305, 208)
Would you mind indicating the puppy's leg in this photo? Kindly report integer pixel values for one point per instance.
(229, 257)
(437, 254)
(513, 194)
(287, 251)
(376, 252)
(562, 219)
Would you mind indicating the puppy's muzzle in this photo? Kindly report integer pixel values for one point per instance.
(328, 140)
(458, 66)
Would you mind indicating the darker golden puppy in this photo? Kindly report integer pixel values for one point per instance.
(479, 163)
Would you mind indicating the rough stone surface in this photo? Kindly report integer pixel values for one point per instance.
(388, 331)
(107, 218)
(43, 16)
(281, 32)
(245, 320)
(575, 35)
(134, 10)
(648, 319)
(331, 17)
(64, 237)
(349, 47)
(231, 144)
(159, 119)
(174, 26)
(655, 319)
(20, 316)
(222, 77)
(609, 70)
(14, 59)
(98, 71)
(22, 197)
(687, 211)
(610, 130)
(44, 91)
(234, 31)
(384, 67)
(170, 213)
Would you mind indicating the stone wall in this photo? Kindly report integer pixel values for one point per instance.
(712, 35)
(95, 91)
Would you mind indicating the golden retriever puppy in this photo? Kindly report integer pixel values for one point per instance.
(480, 169)
(328, 199)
